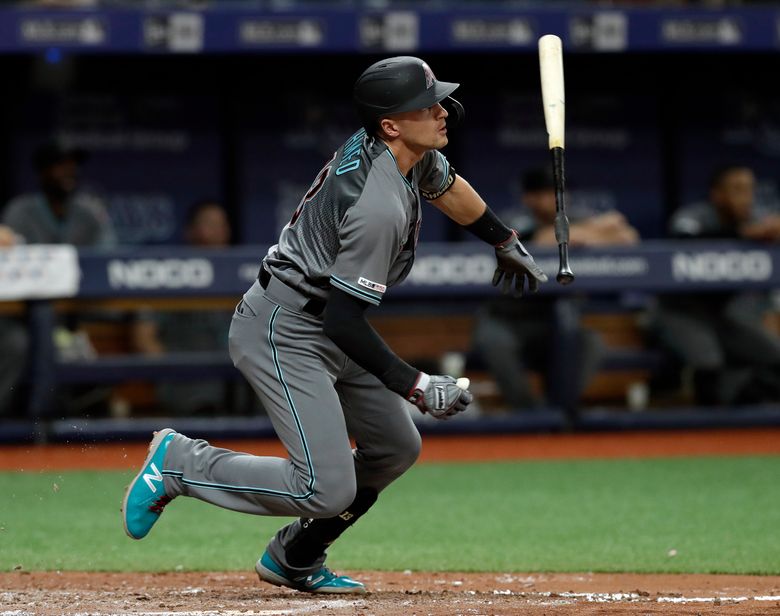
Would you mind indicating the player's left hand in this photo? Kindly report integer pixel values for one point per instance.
(439, 395)
(516, 264)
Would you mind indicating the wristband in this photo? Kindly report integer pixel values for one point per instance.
(490, 229)
(510, 240)
(419, 387)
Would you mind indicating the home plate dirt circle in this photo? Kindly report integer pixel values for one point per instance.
(396, 593)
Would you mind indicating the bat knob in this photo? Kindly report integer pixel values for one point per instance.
(565, 276)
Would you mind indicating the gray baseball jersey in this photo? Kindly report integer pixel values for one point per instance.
(357, 226)
(86, 222)
(355, 229)
(701, 220)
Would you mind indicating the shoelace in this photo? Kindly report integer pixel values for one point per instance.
(159, 504)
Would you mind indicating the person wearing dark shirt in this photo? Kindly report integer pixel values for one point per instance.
(720, 337)
(207, 227)
(513, 337)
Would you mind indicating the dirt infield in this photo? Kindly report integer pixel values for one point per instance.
(403, 593)
(398, 594)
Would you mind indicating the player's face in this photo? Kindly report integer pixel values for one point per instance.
(61, 177)
(423, 129)
(734, 194)
(210, 228)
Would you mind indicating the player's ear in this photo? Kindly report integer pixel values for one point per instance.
(388, 127)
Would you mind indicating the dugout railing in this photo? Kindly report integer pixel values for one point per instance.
(448, 281)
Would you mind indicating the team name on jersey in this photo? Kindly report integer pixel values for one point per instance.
(430, 196)
(350, 158)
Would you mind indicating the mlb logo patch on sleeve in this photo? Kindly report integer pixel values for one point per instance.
(370, 284)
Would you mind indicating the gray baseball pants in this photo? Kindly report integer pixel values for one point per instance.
(316, 398)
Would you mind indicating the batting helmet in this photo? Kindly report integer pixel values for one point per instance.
(399, 84)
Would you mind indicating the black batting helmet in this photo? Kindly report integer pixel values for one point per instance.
(399, 84)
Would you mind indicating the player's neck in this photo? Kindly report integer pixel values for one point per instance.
(405, 157)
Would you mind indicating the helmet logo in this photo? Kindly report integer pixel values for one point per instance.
(429, 78)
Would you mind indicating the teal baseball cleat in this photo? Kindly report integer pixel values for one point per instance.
(322, 581)
(145, 497)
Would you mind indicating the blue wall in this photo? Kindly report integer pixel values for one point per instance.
(643, 131)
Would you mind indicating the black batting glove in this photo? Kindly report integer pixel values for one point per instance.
(514, 263)
(439, 395)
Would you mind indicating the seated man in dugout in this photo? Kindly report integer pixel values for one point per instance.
(719, 337)
(207, 226)
(513, 337)
(57, 211)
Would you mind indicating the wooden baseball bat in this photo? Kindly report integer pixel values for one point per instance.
(554, 101)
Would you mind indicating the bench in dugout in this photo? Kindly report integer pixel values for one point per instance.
(628, 359)
(421, 338)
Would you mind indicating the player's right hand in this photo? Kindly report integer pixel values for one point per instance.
(439, 395)
(515, 264)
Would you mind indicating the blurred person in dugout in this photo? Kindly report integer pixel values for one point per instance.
(720, 338)
(57, 213)
(513, 336)
(156, 333)
(14, 343)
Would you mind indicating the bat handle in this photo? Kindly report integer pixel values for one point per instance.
(561, 224)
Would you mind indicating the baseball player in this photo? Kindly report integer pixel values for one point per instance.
(301, 338)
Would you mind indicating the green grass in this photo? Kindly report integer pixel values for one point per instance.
(719, 514)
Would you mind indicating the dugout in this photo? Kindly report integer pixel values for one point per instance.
(249, 108)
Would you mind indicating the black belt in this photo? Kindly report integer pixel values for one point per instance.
(314, 306)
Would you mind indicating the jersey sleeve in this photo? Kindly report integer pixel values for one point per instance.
(369, 242)
(436, 175)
